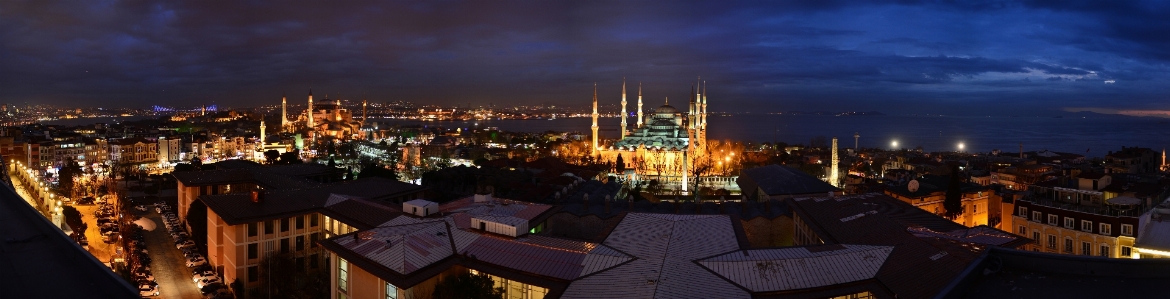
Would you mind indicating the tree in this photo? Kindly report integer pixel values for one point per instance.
(271, 156)
(198, 163)
(953, 204)
(468, 286)
(621, 164)
(370, 170)
(290, 158)
(73, 219)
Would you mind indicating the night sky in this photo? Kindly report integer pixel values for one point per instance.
(981, 57)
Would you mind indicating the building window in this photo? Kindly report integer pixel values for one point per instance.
(342, 274)
(391, 291)
(313, 240)
(1086, 248)
(252, 227)
(1052, 219)
(1068, 222)
(1105, 229)
(313, 261)
(312, 220)
(1068, 245)
(268, 227)
(300, 222)
(1023, 230)
(253, 251)
(253, 274)
(1036, 216)
(1036, 236)
(300, 243)
(283, 225)
(1126, 250)
(1104, 250)
(1127, 229)
(1052, 241)
(284, 245)
(1086, 225)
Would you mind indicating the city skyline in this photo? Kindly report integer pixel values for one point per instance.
(893, 58)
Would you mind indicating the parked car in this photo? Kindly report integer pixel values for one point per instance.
(187, 243)
(202, 275)
(147, 290)
(207, 281)
(196, 261)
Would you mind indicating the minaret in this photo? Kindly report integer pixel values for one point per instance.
(623, 136)
(593, 150)
(692, 122)
(833, 180)
(283, 112)
(262, 130)
(639, 104)
(703, 116)
(364, 111)
(1163, 158)
(856, 136)
(203, 111)
(309, 111)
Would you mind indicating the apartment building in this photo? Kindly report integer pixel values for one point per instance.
(245, 228)
(133, 151)
(928, 192)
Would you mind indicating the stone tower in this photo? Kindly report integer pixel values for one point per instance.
(623, 130)
(639, 104)
(593, 150)
(833, 179)
(283, 112)
(309, 111)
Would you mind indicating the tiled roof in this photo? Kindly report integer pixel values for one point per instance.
(354, 200)
(403, 248)
(273, 176)
(783, 269)
(780, 180)
(665, 247)
(920, 266)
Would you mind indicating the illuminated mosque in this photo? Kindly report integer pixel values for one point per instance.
(663, 144)
(325, 120)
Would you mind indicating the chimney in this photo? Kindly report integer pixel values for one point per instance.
(607, 206)
(256, 196)
(356, 239)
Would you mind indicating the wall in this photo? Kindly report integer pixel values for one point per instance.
(762, 232)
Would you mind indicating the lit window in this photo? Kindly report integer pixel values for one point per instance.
(391, 291)
(1052, 241)
(342, 274)
(1126, 250)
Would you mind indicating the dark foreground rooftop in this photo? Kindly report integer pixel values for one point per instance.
(37, 260)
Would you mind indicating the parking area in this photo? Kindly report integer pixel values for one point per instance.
(174, 261)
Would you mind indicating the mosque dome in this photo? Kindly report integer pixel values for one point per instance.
(664, 109)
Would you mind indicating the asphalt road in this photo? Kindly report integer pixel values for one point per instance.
(167, 263)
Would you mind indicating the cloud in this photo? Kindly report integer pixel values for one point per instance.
(800, 55)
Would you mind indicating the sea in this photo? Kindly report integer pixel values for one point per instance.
(1091, 135)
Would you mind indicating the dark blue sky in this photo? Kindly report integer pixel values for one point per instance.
(975, 57)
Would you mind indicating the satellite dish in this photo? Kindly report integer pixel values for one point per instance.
(912, 186)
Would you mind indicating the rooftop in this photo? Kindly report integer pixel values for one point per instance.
(781, 180)
(359, 201)
(39, 261)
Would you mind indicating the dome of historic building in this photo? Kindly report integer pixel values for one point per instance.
(664, 109)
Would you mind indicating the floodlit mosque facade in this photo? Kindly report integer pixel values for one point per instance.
(664, 145)
(325, 120)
